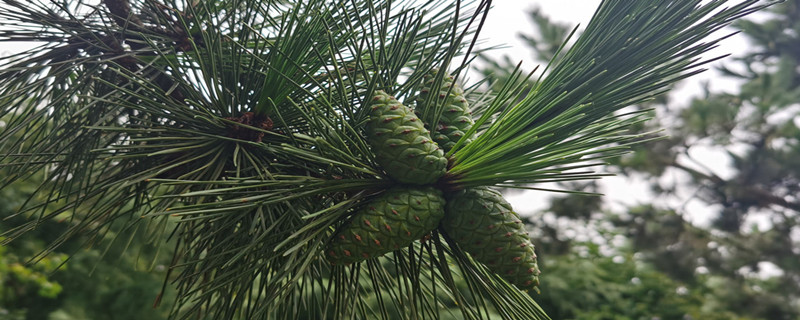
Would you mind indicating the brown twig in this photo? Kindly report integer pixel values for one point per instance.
(121, 12)
(250, 119)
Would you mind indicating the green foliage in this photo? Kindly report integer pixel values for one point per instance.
(112, 287)
(24, 287)
(587, 284)
(74, 283)
(711, 264)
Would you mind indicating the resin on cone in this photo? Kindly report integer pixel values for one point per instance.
(483, 224)
(456, 119)
(389, 222)
(402, 145)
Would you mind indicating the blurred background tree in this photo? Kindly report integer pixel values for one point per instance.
(74, 282)
(657, 260)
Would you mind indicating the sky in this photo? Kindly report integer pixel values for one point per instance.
(507, 18)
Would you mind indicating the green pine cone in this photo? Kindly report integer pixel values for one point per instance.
(456, 119)
(484, 225)
(389, 222)
(402, 145)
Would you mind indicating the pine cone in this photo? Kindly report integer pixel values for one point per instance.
(456, 119)
(402, 145)
(389, 222)
(484, 225)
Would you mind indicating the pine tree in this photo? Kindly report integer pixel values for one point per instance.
(238, 129)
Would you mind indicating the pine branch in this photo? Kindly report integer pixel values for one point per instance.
(629, 53)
